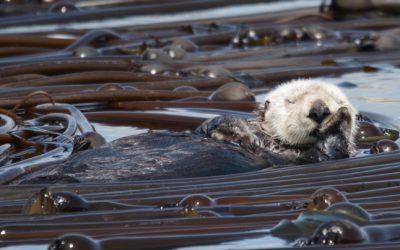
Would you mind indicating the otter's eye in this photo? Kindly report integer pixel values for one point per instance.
(266, 104)
(291, 101)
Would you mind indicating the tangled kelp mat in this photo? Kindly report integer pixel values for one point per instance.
(61, 84)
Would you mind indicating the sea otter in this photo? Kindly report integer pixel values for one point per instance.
(301, 121)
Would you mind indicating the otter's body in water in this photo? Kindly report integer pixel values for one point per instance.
(302, 121)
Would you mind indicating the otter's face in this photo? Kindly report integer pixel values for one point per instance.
(298, 112)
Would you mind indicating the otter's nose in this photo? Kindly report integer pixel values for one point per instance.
(319, 111)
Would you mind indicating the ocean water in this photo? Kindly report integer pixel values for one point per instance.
(25, 247)
(266, 241)
(376, 92)
(163, 18)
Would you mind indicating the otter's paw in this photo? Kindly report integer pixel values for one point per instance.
(338, 135)
(228, 128)
(88, 140)
(339, 123)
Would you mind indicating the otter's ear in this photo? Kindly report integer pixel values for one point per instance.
(266, 105)
(260, 111)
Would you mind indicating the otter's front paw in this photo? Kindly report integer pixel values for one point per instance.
(228, 128)
(339, 123)
(338, 135)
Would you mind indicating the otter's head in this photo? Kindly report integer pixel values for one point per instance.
(300, 112)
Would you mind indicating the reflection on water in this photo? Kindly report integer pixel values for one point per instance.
(163, 18)
(376, 92)
(24, 247)
(111, 133)
(255, 243)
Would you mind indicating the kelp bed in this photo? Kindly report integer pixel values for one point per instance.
(172, 76)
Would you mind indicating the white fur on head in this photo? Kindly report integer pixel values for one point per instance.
(286, 115)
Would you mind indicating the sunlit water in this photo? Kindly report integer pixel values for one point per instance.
(25, 247)
(251, 243)
(113, 132)
(376, 92)
(163, 18)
